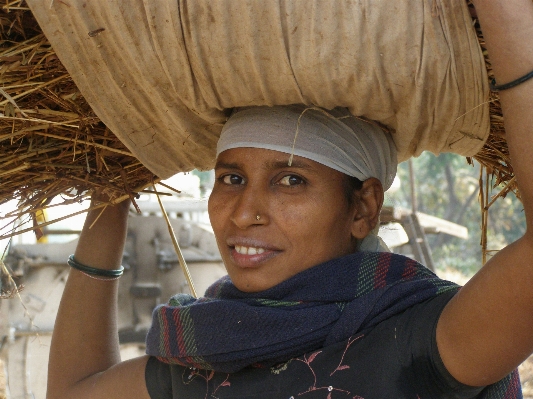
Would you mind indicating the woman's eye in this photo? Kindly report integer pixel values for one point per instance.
(291, 180)
(232, 179)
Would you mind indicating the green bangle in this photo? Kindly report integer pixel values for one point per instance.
(94, 271)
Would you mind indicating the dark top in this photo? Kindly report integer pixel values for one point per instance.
(396, 359)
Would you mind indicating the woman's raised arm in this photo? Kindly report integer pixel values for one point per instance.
(84, 355)
(487, 329)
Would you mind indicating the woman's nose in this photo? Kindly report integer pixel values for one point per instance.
(249, 209)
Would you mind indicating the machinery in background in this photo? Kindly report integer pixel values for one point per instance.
(152, 275)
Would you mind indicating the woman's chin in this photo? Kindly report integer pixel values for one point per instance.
(247, 284)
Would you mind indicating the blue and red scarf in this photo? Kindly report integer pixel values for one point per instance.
(228, 330)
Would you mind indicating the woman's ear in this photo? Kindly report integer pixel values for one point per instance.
(367, 208)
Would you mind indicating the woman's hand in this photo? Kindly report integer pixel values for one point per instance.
(487, 329)
(84, 354)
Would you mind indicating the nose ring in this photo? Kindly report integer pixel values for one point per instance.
(258, 217)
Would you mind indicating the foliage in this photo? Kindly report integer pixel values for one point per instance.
(448, 187)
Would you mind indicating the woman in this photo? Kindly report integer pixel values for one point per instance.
(280, 227)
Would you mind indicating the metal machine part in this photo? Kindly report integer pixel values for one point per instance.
(151, 277)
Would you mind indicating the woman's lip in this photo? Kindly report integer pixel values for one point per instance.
(246, 260)
(251, 261)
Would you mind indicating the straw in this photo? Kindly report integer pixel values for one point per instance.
(494, 156)
(52, 145)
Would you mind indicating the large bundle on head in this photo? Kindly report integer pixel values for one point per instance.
(163, 75)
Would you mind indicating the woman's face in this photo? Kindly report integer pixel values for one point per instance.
(304, 216)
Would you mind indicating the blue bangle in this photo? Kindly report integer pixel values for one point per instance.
(94, 271)
(510, 85)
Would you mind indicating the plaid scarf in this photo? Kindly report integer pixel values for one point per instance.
(228, 330)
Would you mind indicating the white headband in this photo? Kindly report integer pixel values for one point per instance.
(333, 138)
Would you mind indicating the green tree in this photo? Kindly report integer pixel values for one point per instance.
(448, 187)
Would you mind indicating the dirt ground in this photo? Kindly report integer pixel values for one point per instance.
(2, 382)
(526, 376)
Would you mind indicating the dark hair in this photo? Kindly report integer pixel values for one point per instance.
(351, 185)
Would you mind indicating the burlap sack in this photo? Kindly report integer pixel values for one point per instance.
(161, 73)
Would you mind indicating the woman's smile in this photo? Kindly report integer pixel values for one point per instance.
(246, 252)
(251, 256)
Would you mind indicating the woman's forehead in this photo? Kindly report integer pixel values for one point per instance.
(259, 161)
(237, 158)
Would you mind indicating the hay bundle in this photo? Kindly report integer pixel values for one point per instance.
(494, 156)
(51, 142)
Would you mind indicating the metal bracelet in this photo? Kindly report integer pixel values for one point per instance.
(93, 271)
